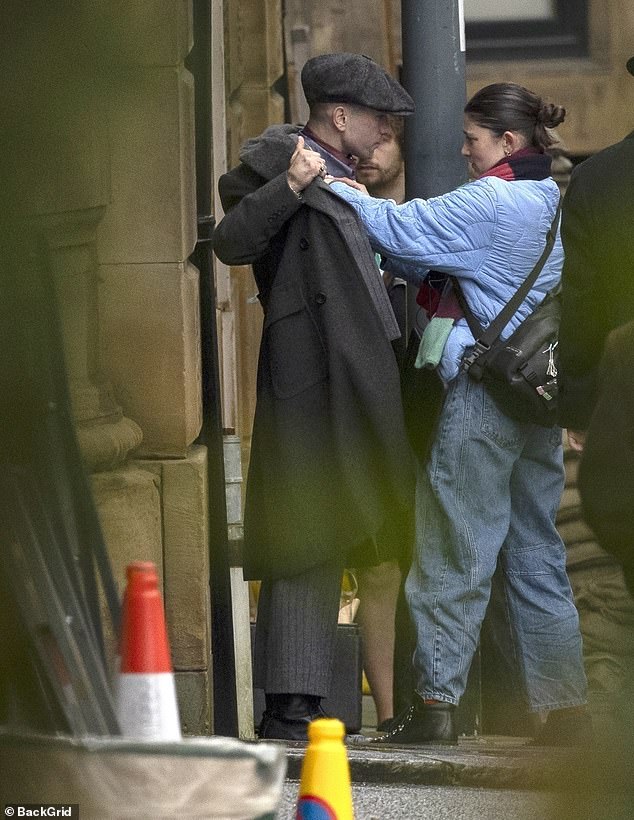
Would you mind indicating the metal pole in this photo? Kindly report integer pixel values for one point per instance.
(224, 678)
(434, 74)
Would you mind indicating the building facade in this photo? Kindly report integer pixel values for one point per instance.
(103, 162)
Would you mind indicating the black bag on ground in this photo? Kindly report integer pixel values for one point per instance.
(520, 373)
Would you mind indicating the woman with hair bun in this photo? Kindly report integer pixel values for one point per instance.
(489, 491)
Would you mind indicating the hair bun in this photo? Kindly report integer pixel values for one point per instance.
(551, 115)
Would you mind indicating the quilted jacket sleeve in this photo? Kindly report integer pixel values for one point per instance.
(450, 233)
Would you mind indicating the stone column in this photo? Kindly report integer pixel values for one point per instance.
(102, 115)
(150, 330)
(63, 187)
(105, 434)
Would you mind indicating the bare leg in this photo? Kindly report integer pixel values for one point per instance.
(378, 592)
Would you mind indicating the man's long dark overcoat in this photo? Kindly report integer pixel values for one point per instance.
(330, 475)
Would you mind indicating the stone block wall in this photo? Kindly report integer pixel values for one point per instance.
(148, 306)
(185, 572)
(149, 329)
(104, 169)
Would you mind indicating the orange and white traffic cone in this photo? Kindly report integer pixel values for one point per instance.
(325, 790)
(146, 692)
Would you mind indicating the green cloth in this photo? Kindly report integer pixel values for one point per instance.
(433, 342)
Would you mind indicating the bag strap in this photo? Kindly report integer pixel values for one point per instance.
(485, 338)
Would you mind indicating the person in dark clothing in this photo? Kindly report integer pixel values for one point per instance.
(606, 488)
(330, 480)
(597, 281)
(596, 396)
(606, 472)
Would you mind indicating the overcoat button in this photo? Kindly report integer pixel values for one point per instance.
(304, 243)
(320, 298)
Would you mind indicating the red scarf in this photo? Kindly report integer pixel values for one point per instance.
(527, 163)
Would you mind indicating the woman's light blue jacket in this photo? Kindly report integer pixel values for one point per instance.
(488, 233)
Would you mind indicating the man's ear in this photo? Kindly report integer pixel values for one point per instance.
(339, 117)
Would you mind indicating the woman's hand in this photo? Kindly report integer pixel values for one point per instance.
(352, 183)
(304, 166)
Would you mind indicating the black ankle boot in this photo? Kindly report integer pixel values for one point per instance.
(287, 716)
(566, 727)
(422, 723)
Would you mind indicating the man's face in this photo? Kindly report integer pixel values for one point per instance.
(384, 166)
(365, 130)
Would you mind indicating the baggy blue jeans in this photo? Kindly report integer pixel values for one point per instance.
(490, 492)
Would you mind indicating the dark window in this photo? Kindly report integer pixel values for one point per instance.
(552, 28)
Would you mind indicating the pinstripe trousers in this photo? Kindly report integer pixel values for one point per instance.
(296, 632)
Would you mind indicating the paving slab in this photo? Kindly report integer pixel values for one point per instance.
(483, 762)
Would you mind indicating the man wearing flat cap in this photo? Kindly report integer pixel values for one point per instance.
(330, 479)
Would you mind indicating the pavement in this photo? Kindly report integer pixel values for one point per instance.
(491, 762)
(492, 778)
(482, 762)
(494, 762)
(584, 776)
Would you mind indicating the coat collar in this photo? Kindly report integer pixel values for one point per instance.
(269, 155)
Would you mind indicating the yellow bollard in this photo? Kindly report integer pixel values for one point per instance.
(324, 789)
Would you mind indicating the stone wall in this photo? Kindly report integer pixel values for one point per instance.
(101, 107)
(149, 331)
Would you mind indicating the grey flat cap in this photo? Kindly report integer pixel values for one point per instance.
(356, 79)
(630, 65)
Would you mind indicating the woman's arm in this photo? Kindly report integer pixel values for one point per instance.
(451, 233)
(411, 272)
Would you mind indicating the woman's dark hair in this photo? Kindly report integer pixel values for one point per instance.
(504, 107)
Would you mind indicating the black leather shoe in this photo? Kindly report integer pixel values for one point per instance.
(388, 724)
(566, 728)
(287, 716)
(422, 723)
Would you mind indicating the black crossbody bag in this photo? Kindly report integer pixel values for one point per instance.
(520, 373)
